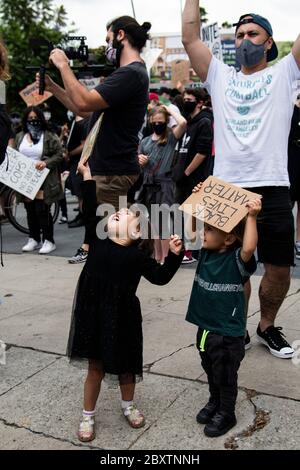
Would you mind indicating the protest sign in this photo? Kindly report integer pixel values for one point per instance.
(211, 37)
(19, 172)
(180, 72)
(219, 204)
(90, 141)
(229, 52)
(31, 96)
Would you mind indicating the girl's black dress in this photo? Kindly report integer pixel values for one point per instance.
(106, 326)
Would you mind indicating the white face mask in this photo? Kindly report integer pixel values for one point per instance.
(47, 115)
(111, 53)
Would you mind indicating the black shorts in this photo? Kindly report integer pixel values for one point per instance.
(275, 226)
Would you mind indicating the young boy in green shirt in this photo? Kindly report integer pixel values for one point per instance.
(218, 307)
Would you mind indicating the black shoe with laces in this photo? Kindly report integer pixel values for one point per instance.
(273, 338)
(207, 412)
(79, 257)
(220, 424)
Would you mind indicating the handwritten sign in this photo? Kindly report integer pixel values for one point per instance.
(219, 204)
(211, 37)
(19, 172)
(90, 141)
(31, 96)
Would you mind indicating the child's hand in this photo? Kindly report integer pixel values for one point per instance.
(175, 244)
(254, 207)
(143, 159)
(84, 170)
(197, 188)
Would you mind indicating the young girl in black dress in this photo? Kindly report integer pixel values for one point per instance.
(106, 327)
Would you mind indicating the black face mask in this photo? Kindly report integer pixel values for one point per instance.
(159, 129)
(189, 107)
(34, 128)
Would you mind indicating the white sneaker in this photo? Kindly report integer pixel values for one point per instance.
(187, 260)
(31, 245)
(47, 247)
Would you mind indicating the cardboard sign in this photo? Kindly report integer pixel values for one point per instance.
(19, 172)
(90, 141)
(211, 37)
(31, 96)
(180, 72)
(219, 204)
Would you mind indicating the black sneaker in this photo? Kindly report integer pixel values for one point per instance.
(220, 424)
(80, 257)
(204, 416)
(247, 341)
(274, 340)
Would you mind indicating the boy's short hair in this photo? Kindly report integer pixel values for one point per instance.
(238, 232)
(199, 93)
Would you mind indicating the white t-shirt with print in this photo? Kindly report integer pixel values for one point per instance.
(252, 122)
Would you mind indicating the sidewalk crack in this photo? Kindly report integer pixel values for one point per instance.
(48, 436)
(30, 377)
(147, 367)
(286, 297)
(29, 348)
(261, 419)
(147, 428)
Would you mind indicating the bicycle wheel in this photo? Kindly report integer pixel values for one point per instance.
(55, 211)
(17, 215)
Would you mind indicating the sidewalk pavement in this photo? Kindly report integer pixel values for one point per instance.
(41, 394)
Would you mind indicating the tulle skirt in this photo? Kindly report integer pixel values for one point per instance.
(106, 330)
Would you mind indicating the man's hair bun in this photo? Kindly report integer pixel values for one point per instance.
(146, 26)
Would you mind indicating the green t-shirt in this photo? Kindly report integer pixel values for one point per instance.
(217, 301)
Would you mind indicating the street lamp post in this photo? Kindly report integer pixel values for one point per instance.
(133, 10)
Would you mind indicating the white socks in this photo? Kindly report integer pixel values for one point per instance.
(125, 404)
(90, 414)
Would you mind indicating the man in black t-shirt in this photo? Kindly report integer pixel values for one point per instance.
(123, 98)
